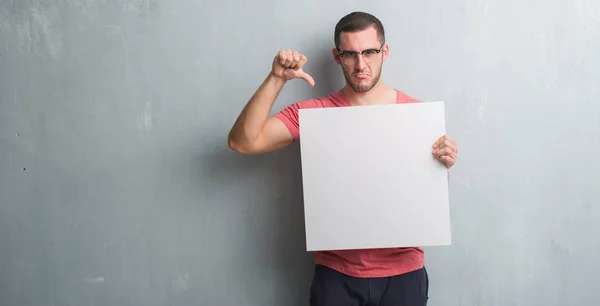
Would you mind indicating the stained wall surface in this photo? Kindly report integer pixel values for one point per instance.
(117, 186)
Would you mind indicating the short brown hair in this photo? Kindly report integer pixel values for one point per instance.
(358, 21)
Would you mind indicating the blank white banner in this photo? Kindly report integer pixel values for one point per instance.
(369, 178)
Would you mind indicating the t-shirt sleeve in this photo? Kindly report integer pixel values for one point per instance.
(289, 117)
(403, 98)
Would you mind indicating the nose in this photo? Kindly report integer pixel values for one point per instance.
(360, 62)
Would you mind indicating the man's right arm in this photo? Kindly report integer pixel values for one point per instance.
(254, 131)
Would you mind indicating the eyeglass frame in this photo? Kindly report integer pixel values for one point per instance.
(356, 54)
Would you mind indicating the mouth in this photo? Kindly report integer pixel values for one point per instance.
(361, 75)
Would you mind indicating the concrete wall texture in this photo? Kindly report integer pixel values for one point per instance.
(117, 186)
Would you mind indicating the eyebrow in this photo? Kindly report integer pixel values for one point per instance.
(348, 51)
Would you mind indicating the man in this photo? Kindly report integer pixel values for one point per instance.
(384, 277)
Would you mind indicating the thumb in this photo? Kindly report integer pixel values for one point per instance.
(305, 76)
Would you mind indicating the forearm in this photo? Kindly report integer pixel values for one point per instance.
(253, 117)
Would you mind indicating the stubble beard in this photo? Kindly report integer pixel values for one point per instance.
(363, 88)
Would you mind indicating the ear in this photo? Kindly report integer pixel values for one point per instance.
(336, 57)
(385, 51)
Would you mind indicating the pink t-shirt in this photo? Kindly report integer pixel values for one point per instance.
(357, 263)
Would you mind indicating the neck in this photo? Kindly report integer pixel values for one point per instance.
(379, 94)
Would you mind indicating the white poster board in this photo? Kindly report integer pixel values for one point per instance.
(369, 178)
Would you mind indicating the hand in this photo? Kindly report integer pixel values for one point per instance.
(445, 150)
(288, 64)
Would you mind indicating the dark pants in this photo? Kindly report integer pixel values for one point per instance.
(332, 288)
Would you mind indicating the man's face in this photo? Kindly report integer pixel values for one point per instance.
(362, 71)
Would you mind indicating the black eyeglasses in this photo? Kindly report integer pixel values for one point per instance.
(350, 57)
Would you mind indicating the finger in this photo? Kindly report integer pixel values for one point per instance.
(295, 59)
(284, 58)
(447, 160)
(289, 58)
(301, 61)
(281, 57)
(442, 143)
(305, 76)
(445, 156)
(444, 139)
(444, 151)
(436, 144)
(449, 144)
(450, 153)
(438, 152)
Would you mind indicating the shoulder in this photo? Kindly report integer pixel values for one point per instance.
(331, 100)
(289, 115)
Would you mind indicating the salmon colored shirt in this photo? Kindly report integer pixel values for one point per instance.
(358, 263)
